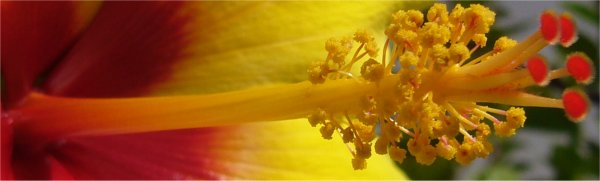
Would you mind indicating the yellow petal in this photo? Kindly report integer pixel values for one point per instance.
(292, 149)
(242, 44)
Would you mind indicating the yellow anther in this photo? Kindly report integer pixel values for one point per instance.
(430, 110)
(400, 17)
(515, 117)
(415, 17)
(447, 150)
(456, 15)
(457, 53)
(480, 40)
(413, 146)
(368, 118)
(359, 163)
(365, 132)
(406, 38)
(452, 127)
(317, 117)
(397, 154)
(392, 30)
(368, 104)
(409, 81)
(407, 91)
(391, 131)
(363, 150)
(475, 118)
(408, 59)
(381, 145)
(503, 43)
(455, 18)
(371, 49)
(439, 55)
(482, 148)
(425, 126)
(433, 33)
(479, 18)
(437, 129)
(363, 36)
(503, 129)
(317, 73)
(427, 155)
(411, 19)
(438, 13)
(465, 153)
(406, 115)
(372, 70)
(448, 127)
(338, 49)
(327, 130)
(348, 135)
(417, 144)
(332, 45)
(483, 131)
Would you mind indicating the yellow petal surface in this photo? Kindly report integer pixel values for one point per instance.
(242, 44)
(292, 149)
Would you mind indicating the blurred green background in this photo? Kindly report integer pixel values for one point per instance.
(549, 146)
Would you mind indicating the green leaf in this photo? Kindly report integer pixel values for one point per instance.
(590, 13)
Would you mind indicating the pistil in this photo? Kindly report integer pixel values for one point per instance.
(48, 116)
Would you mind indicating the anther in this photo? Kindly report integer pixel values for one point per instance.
(363, 150)
(347, 135)
(327, 130)
(359, 163)
(317, 117)
(515, 117)
(397, 154)
(381, 145)
(372, 70)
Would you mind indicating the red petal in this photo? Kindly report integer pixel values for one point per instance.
(34, 35)
(6, 149)
(129, 46)
(156, 155)
(57, 170)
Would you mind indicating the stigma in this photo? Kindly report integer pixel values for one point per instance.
(424, 93)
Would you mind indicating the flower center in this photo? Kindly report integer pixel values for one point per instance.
(429, 86)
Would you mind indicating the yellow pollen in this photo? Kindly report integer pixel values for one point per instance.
(427, 86)
(397, 154)
(438, 13)
(503, 43)
(480, 40)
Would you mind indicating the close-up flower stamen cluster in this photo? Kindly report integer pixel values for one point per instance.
(430, 89)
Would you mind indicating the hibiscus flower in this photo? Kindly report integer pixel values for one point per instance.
(55, 54)
(425, 86)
